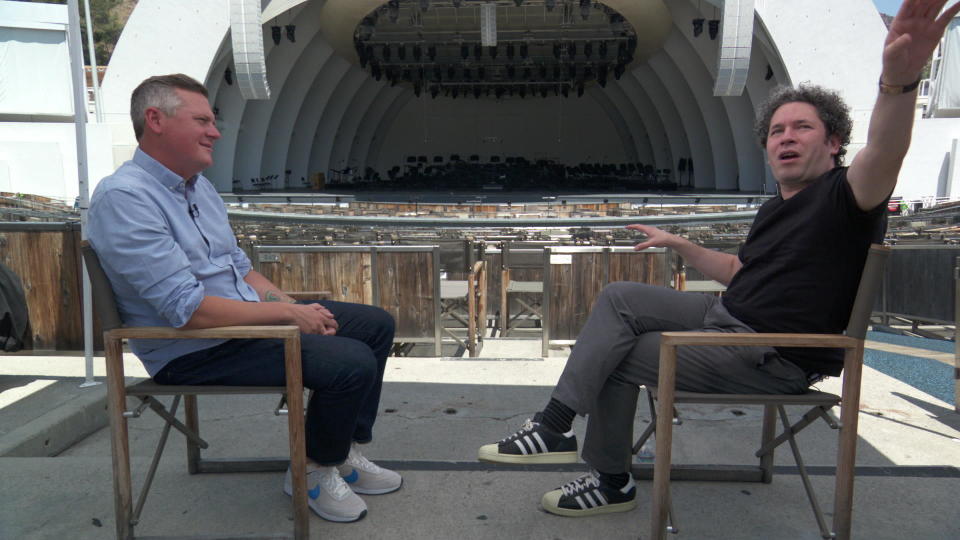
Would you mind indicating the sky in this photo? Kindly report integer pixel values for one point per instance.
(889, 7)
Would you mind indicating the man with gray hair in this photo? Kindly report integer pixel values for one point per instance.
(797, 272)
(161, 232)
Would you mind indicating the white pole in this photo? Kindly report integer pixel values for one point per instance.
(92, 54)
(80, 123)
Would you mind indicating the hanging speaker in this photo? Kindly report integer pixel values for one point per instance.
(246, 36)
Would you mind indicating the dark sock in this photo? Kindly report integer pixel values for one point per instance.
(558, 416)
(614, 481)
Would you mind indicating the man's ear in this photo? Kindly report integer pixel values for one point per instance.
(833, 141)
(153, 120)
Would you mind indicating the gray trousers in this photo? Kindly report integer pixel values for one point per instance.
(618, 349)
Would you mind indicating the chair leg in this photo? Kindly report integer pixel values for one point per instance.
(504, 303)
(650, 428)
(847, 451)
(161, 444)
(768, 430)
(192, 419)
(295, 423)
(660, 507)
(119, 442)
(804, 477)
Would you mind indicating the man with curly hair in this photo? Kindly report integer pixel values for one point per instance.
(797, 272)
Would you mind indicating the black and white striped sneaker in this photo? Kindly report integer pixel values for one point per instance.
(533, 443)
(587, 496)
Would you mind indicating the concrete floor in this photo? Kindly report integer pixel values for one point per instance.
(436, 412)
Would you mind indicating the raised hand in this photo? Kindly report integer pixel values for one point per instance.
(914, 34)
(655, 237)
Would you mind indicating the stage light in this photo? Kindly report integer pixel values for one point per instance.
(697, 27)
(714, 28)
(393, 10)
(769, 74)
(550, 4)
(584, 9)
(417, 52)
(277, 33)
(291, 32)
(228, 76)
(402, 52)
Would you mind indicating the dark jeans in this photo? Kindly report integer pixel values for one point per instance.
(344, 371)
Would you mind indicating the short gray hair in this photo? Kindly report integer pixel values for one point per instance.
(833, 112)
(160, 92)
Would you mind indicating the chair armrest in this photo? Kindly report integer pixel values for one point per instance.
(746, 339)
(223, 332)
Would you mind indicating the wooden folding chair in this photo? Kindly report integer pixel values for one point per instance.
(820, 404)
(469, 296)
(128, 515)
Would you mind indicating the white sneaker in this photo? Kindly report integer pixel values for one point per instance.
(328, 496)
(366, 477)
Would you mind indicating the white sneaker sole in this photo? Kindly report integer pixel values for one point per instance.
(491, 454)
(382, 491)
(550, 503)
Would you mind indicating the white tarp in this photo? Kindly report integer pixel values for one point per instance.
(34, 60)
(946, 98)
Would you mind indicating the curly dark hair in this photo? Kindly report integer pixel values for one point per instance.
(833, 112)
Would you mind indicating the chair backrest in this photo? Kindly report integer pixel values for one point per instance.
(870, 281)
(102, 293)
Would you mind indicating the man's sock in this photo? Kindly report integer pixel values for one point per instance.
(558, 416)
(614, 481)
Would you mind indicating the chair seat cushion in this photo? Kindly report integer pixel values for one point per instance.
(811, 397)
(148, 387)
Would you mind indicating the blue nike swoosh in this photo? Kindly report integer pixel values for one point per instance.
(352, 477)
(314, 492)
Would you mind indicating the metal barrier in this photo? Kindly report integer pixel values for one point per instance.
(914, 283)
(574, 276)
(403, 280)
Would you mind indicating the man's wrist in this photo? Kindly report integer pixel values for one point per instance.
(274, 296)
(894, 89)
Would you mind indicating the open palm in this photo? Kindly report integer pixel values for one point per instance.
(914, 34)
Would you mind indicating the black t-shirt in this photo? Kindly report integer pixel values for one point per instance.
(801, 266)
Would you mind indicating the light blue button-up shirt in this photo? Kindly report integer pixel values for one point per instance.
(164, 244)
